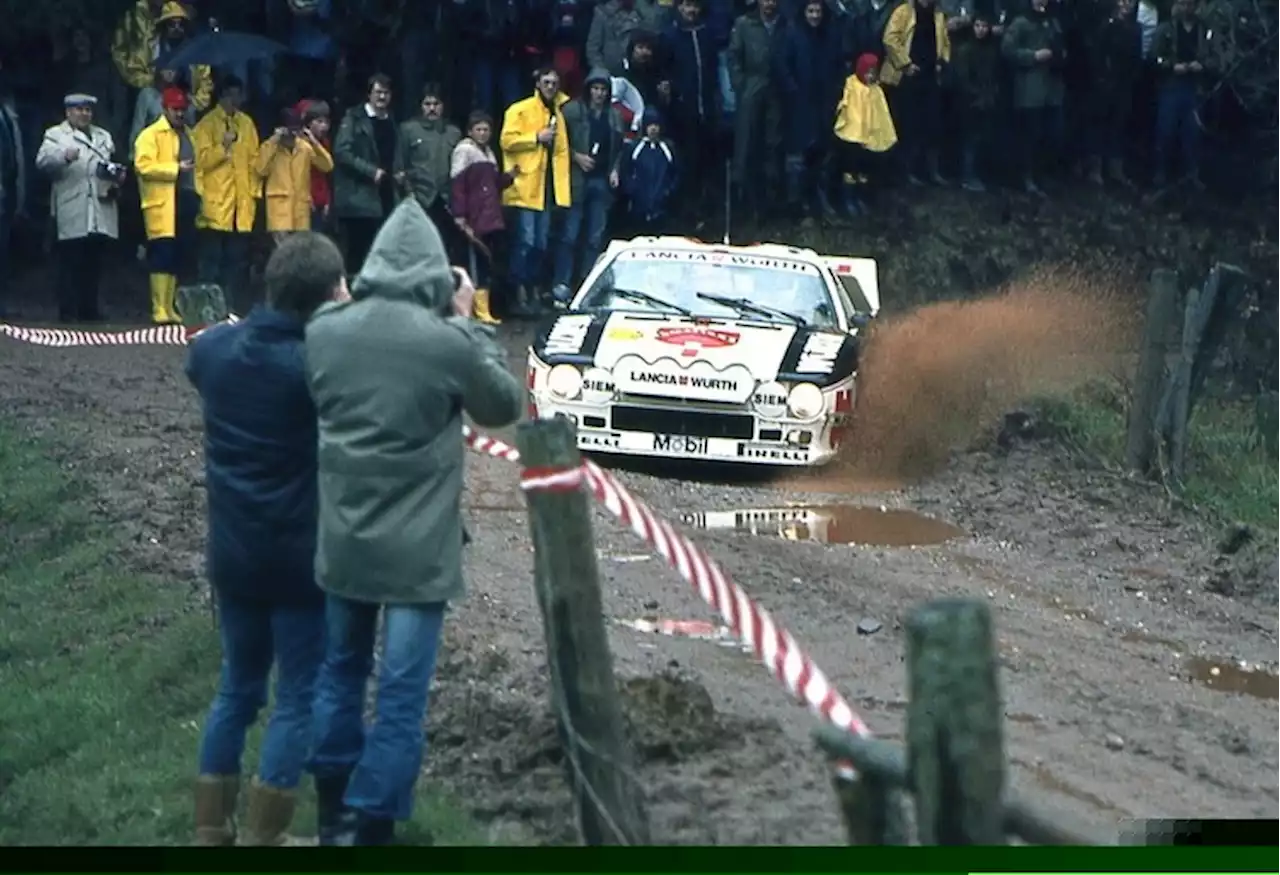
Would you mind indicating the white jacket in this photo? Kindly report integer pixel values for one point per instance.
(76, 202)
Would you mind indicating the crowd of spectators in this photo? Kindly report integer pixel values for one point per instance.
(531, 130)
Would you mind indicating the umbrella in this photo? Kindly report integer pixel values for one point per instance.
(220, 48)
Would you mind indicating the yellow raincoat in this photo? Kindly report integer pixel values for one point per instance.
(898, 34)
(862, 116)
(155, 160)
(526, 159)
(228, 184)
(288, 181)
(134, 46)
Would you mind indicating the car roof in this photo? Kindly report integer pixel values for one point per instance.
(691, 244)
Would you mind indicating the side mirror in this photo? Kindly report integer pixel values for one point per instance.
(860, 320)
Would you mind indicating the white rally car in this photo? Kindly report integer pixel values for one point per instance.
(682, 349)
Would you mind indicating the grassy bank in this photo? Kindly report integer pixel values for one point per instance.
(1231, 473)
(106, 676)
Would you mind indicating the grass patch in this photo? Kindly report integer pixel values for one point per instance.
(106, 677)
(1231, 472)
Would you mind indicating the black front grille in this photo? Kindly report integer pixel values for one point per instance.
(695, 423)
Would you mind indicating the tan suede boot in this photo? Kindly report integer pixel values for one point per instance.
(216, 810)
(268, 817)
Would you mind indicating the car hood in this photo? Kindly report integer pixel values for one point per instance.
(667, 349)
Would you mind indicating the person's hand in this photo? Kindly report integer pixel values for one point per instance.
(279, 133)
(1043, 55)
(912, 70)
(324, 211)
(70, 154)
(228, 139)
(614, 181)
(378, 175)
(1179, 68)
(584, 161)
(545, 136)
(1195, 67)
(187, 165)
(464, 298)
(342, 294)
(401, 176)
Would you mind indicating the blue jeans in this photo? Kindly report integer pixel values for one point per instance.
(531, 230)
(384, 761)
(497, 85)
(256, 636)
(1176, 122)
(582, 231)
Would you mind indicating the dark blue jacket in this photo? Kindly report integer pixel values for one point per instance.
(648, 177)
(691, 55)
(260, 458)
(808, 68)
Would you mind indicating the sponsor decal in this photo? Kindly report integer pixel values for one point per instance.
(695, 338)
(844, 401)
(567, 335)
(772, 454)
(819, 353)
(666, 377)
(770, 400)
(681, 444)
(720, 257)
(589, 441)
(715, 384)
(620, 332)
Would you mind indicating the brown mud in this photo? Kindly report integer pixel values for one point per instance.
(1104, 723)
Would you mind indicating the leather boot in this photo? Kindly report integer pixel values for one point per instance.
(1115, 170)
(267, 820)
(215, 797)
(482, 311)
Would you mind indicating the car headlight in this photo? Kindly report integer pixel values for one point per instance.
(565, 381)
(805, 401)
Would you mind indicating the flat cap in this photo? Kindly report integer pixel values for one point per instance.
(79, 100)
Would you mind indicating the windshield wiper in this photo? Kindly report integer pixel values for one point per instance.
(646, 298)
(742, 305)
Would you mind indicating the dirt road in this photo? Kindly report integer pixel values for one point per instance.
(1120, 669)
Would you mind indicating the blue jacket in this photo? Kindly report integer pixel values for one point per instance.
(260, 458)
(809, 69)
(648, 177)
(692, 57)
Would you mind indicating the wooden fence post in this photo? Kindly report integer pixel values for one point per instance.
(1148, 386)
(955, 747)
(584, 693)
(871, 807)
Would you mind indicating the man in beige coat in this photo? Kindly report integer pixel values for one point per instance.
(78, 156)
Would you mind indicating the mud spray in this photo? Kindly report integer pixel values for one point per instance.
(940, 377)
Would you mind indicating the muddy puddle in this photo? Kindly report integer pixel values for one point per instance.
(1232, 677)
(830, 524)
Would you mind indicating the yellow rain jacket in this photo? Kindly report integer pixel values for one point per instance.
(228, 184)
(897, 42)
(155, 160)
(288, 181)
(862, 116)
(135, 44)
(526, 159)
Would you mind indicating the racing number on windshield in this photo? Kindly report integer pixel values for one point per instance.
(683, 444)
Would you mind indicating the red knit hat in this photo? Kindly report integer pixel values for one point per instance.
(173, 97)
(865, 64)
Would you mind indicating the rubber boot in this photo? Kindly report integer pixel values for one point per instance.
(335, 822)
(482, 311)
(267, 820)
(215, 797)
(159, 289)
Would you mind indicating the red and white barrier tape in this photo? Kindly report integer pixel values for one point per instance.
(773, 645)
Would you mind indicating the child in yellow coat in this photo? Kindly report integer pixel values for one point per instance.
(864, 130)
(284, 162)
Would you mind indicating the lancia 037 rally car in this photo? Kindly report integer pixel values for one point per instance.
(677, 348)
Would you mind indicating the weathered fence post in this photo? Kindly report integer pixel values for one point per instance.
(871, 803)
(1148, 385)
(584, 694)
(955, 747)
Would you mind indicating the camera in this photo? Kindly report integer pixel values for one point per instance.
(110, 170)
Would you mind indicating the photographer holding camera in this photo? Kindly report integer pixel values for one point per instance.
(77, 155)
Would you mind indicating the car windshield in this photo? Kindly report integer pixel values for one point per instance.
(715, 285)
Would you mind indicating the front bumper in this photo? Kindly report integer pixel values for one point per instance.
(736, 436)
